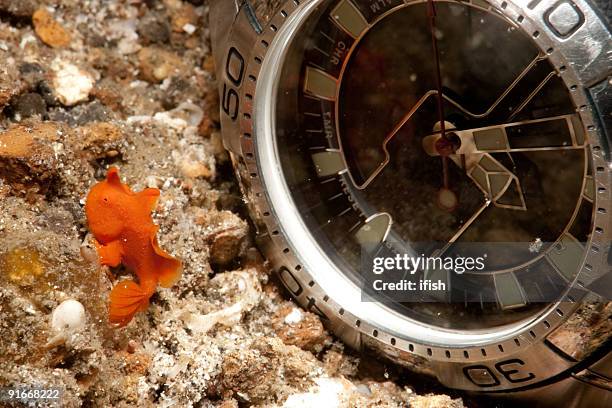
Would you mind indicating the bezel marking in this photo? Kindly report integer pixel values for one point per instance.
(319, 83)
(348, 17)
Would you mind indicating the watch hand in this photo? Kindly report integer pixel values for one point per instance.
(473, 155)
(390, 136)
(447, 199)
(431, 12)
(456, 104)
(490, 176)
(494, 139)
(495, 179)
(461, 230)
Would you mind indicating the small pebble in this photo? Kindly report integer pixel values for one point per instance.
(131, 346)
(182, 16)
(157, 64)
(189, 28)
(154, 29)
(50, 31)
(72, 85)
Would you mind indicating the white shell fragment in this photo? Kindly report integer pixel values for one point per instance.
(203, 323)
(294, 317)
(231, 315)
(69, 315)
(66, 320)
(189, 28)
(328, 392)
(71, 84)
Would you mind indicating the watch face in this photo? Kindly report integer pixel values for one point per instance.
(439, 129)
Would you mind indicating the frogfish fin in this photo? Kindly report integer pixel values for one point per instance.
(113, 179)
(126, 299)
(112, 176)
(149, 197)
(109, 254)
(168, 268)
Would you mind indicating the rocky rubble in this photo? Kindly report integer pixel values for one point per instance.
(88, 84)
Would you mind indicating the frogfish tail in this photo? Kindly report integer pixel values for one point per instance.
(126, 299)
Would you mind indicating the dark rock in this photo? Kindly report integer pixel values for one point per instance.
(94, 112)
(31, 73)
(30, 68)
(178, 91)
(19, 8)
(154, 29)
(112, 66)
(229, 202)
(96, 40)
(27, 105)
(82, 114)
(45, 90)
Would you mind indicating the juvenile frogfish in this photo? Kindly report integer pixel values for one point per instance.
(120, 221)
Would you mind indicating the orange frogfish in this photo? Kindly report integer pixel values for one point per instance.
(124, 232)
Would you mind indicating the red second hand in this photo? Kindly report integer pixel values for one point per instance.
(431, 12)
